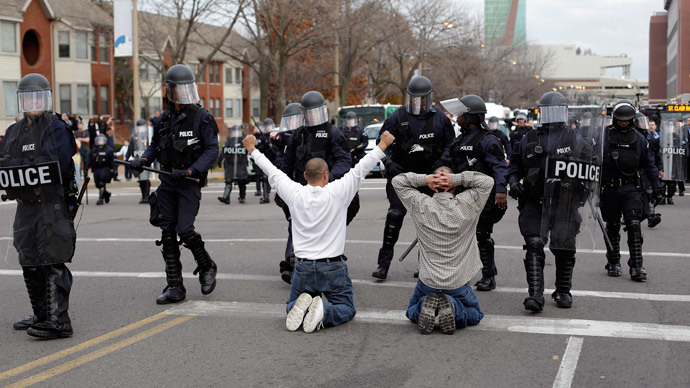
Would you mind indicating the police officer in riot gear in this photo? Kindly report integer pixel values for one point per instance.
(357, 142)
(477, 149)
(549, 204)
(43, 231)
(626, 155)
(520, 130)
(642, 125)
(265, 145)
(137, 145)
(101, 163)
(185, 143)
(423, 135)
(492, 126)
(317, 138)
(235, 157)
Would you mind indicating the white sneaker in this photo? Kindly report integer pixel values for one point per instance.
(314, 317)
(296, 314)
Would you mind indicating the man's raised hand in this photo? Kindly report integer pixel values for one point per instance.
(386, 140)
(249, 143)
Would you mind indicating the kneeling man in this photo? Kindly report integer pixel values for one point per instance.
(448, 254)
(319, 212)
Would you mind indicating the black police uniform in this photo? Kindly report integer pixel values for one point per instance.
(625, 154)
(517, 134)
(133, 151)
(357, 142)
(478, 149)
(44, 234)
(101, 163)
(184, 139)
(505, 142)
(420, 141)
(234, 157)
(648, 199)
(264, 144)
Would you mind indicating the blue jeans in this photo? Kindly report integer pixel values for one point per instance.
(330, 279)
(465, 304)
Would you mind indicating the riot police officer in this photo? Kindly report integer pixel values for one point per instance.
(185, 143)
(492, 126)
(423, 135)
(550, 200)
(317, 138)
(137, 145)
(357, 142)
(520, 130)
(101, 163)
(642, 125)
(44, 234)
(235, 157)
(625, 155)
(265, 145)
(477, 149)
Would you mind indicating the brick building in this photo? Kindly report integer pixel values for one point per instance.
(669, 53)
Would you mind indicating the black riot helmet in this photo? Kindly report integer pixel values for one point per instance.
(351, 119)
(624, 111)
(34, 94)
(269, 126)
(553, 108)
(641, 121)
(476, 108)
(493, 123)
(418, 96)
(101, 140)
(292, 117)
(314, 109)
(586, 119)
(180, 85)
(141, 123)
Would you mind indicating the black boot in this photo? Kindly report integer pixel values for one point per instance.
(613, 267)
(243, 193)
(142, 188)
(257, 193)
(100, 196)
(534, 267)
(34, 278)
(174, 291)
(106, 195)
(565, 262)
(57, 323)
(486, 254)
(391, 232)
(147, 190)
(226, 194)
(286, 268)
(206, 268)
(380, 273)
(266, 191)
(637, 271)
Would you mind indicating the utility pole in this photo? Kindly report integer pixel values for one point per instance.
(136, 92)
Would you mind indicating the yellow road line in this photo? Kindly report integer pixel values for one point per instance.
(85, 345)
(98, 353)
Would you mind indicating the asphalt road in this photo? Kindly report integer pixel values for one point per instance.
(618, 334)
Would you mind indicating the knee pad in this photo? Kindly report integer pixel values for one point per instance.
(534, 245)
(168, 238)
(394, 216)
(190, 238)
(634, 226)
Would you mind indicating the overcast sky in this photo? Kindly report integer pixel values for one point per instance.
(608, 27)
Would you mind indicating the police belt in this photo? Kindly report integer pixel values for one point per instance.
(618, 182)
(326, 260)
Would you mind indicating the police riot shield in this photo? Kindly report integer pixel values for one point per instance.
(673, 143)
(570, 210)
(141, 143)
(30, 174)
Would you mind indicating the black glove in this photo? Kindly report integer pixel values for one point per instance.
(516, 190)
(137, 164)
(179, 174)
(393, 169)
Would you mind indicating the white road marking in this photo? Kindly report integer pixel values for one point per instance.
(375, 283)
(531, 325)
(566, 372)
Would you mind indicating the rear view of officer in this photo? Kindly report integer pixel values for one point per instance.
(101, 163)
(43, 231)
(233, 157)
(423, 135)
(477, 149)
(185, 143)
(626, 155)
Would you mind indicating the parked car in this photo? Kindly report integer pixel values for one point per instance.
(372, 131)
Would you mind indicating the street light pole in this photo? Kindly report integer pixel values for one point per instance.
(136, 92)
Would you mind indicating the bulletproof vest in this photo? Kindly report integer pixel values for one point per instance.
(623, 151)
(312, 143)
(352, 135)
(416, 153)
(179, 144)
(101, 158)
(464, 152)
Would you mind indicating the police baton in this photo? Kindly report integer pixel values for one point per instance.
(609, 246)
(407, 251)
(189, 178)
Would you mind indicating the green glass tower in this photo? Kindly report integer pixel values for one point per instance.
(505, 22)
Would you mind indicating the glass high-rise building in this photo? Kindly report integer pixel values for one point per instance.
(505, 22)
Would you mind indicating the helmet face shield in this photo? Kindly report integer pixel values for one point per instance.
(493, 125)
(642, 122)
(553, 114)
(182, 93)
(350, 123)
(100, 140)
(417, 105)
(291, 122)
(455, 107)
(315, 116)
(35, 101)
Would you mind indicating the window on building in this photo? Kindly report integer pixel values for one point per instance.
(83, 99)
(228, 107)
(228, 75)
(238, 108)
(238, 75)
(105, 107)
(10, 89)
(202, 102)
(8, 37)
(102, 48)
(94, 101)
(65, 98)
(210, 105)
(63, 44)
(201, 75)
(82, 45)
(255, 108)
(143, 70)
(94, 49)
(156, 105)
(211, 73)
(218, 111)
(217, 73)
(154, 74)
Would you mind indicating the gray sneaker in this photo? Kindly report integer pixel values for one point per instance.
(427, 315)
